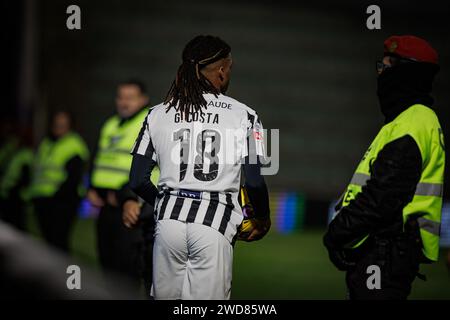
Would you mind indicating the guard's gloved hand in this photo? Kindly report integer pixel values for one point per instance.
(337, 255)
(340, 260)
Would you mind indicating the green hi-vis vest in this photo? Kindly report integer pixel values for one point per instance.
(422, 124)
(21, 158)
(113, 160)
(51, 159)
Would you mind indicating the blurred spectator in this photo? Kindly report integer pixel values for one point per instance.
(119, 248)
(15, 181)
(56, 185)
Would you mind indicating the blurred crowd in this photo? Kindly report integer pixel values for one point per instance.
(49, 179)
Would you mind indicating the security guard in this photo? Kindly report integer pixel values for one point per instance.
(14, 184)
(56, 186)
(119, 247)
(389, 218)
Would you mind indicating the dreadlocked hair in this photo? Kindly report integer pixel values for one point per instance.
(186, 92)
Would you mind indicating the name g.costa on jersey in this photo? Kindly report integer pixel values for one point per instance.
(203, 117)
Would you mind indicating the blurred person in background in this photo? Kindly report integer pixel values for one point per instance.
(389, 217)
(119, 247)
(56, 186)
(15, 181)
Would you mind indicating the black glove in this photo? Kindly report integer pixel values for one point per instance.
(338, 256)
(340, 259)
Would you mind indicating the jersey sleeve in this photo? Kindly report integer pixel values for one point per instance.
(144, 145)
(254, 142)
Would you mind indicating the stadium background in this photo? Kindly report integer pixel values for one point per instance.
(308, 69)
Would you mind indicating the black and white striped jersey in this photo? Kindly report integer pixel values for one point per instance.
(199, 156)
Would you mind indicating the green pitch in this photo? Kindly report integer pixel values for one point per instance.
(296, 266)
(291, 266)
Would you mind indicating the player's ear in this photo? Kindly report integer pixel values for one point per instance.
(221, 73)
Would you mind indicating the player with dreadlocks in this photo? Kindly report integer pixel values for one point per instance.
(186, 92)
(201, 139)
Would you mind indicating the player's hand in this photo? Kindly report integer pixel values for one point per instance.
(262, 226)
(94, 198)
(131, 212)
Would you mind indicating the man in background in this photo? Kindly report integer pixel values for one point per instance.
(15, 181)
(119, 247)
(56, 187)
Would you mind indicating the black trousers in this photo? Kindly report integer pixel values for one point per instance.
(398, 261)
(56, 218)
(119, 248)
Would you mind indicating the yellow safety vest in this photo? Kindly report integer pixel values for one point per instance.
(422, 124)
(113, 160)
(22, 157)
(51, 159)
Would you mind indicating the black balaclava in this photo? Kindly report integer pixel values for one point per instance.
(403, 85)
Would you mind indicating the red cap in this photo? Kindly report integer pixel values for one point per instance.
(411, 47)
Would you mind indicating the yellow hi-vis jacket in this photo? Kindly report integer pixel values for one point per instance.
(113, 160)
(422, 124)
(51, 158)
(21, 158)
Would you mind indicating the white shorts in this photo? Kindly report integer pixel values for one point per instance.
(191, 261)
